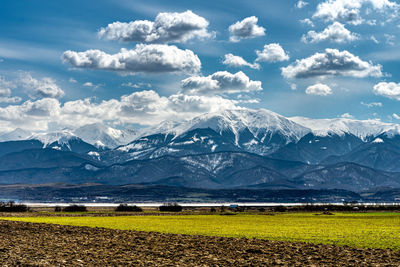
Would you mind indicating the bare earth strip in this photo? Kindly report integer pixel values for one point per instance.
(42, 244)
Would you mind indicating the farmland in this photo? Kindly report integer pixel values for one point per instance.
(358, 230)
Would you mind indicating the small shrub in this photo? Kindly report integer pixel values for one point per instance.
(213, 209)
(12, 207)
(57, 209)
(174, 207)
(280, 209)
(75, 208)
(125, 207)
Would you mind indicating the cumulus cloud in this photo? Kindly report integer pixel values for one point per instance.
(167, 27)
(136, 85)
(153, 58)
(5, 96)
(397, 117)
(237, 61)
(347, 116)
(335, 32)
(143, 107)
(41, 88)
(272, 53)
(389, 90)
(372, 104)
(307, 22)
(349, 10)
(5, 92)
(331, 62)
(300, 4)
(245, 29)
(221, 82)
(319, 89)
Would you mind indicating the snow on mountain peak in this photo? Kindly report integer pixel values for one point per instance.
(340, 126)
(15, 135)
(99, 134)
(62, 137)
(258, 122)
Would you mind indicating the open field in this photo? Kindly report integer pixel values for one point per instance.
(359, 230)
(34, 244)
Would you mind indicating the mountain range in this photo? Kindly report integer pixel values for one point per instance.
(240, 148)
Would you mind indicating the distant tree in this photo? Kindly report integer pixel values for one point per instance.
(12, 207)
(174, 207)
(57, 209)
(125, 207)
(75, 208)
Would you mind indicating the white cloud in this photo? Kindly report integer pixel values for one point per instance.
(307, 22)
(221, 82)
(373, 39)
(349, 10)
(245, 29)
(72, 80)
(397, 117)
(152, 58)
(167, 27)
(372, 104)
(347, 116)
(237, 61)
(143, 107)
(88, 84)
(44, 88)
(319, 89)
(331, 62)
(335, 32)
(272, 53)
(300, 4)
(136, 85)
(389, 90)
(5, 94)
(389, 39)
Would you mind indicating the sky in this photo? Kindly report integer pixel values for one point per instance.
(64, 64)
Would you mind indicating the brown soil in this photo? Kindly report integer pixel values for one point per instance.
(41, 244)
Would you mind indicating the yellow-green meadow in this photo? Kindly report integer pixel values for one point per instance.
(364, 230)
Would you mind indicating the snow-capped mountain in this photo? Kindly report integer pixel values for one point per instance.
(102, 136)
(227, 149)
(64, 141)
(16, 135)
(257, 131)
(362, 129)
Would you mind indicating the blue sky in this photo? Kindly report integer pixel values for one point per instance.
(347, 57)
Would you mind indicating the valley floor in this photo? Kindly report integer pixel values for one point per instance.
(37, 244)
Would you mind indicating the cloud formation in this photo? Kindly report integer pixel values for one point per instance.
(389, 90)
(143, 107)
(237, 61)
(300, 4)
(331, 62)
(153, 58)
(43, 88)
(245, 29)
(349, 11)
(272, 53)
(221, 82)
(167, 27)
(5, 96)
(372, 104)
(319, 89)
(335, 32)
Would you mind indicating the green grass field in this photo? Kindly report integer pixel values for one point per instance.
(364, 230)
